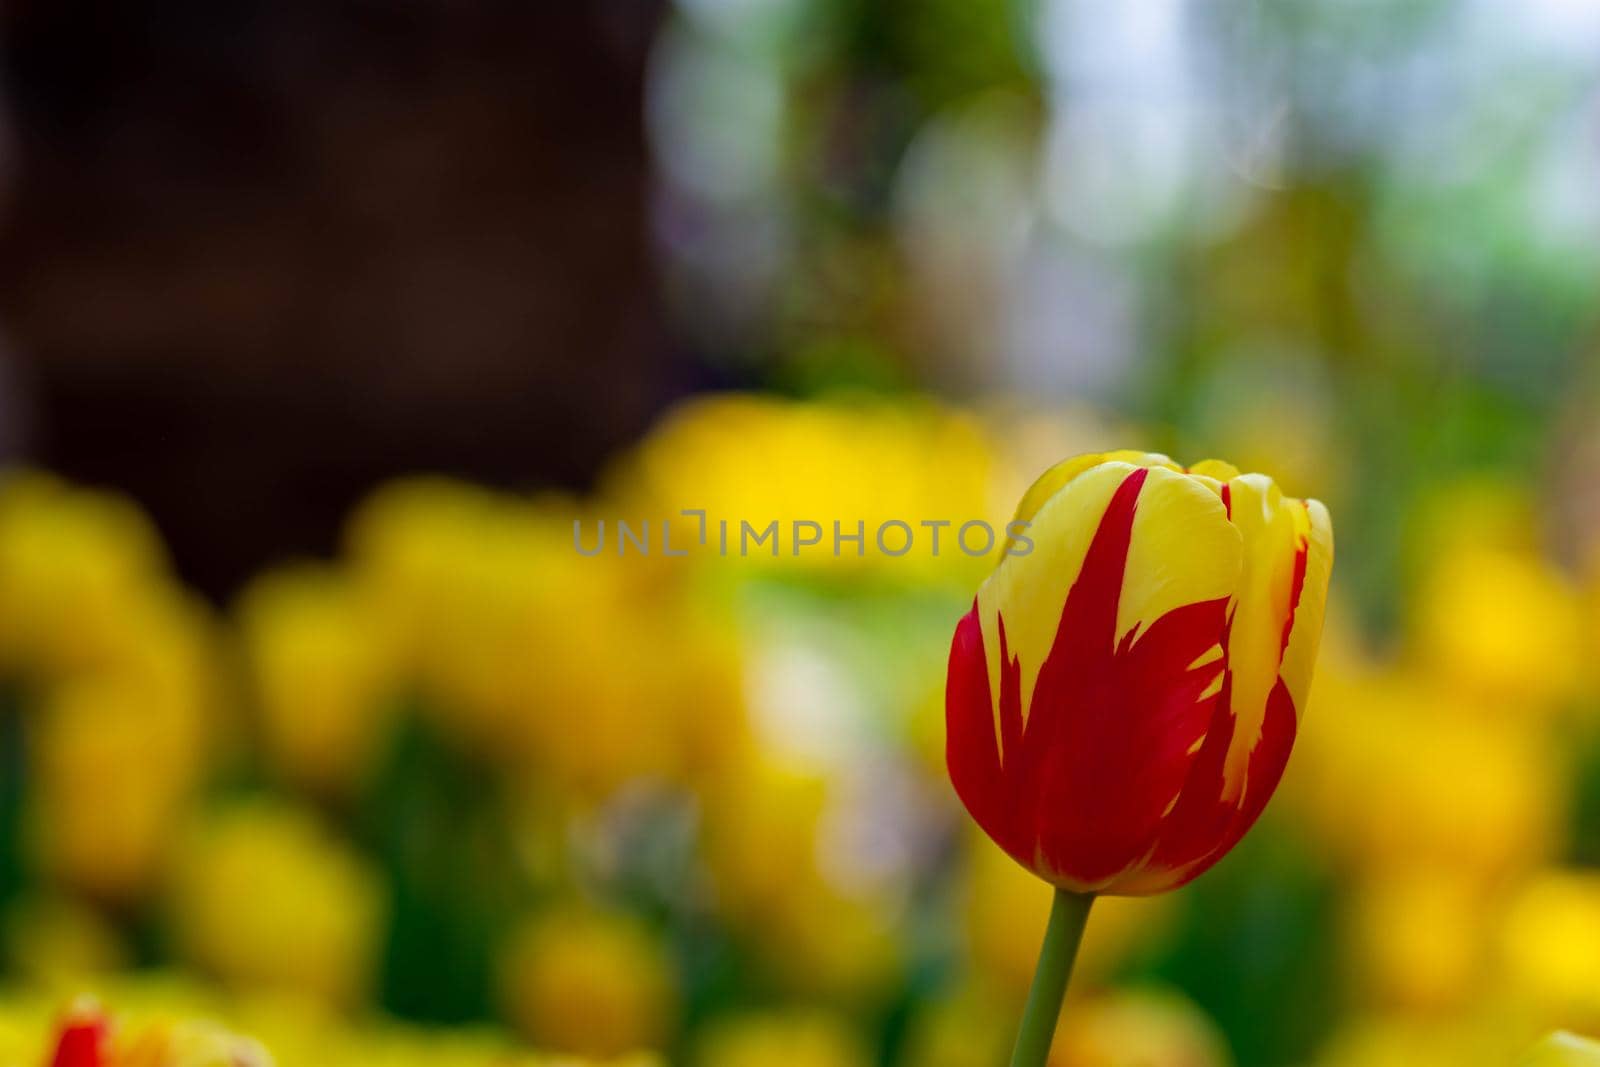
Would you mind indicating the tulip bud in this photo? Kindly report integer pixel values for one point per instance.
(84, 1038)
(1124, 693)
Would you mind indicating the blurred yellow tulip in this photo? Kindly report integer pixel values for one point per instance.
(833, 945)
(762, 838)
(702, 692)
(1550, 947)
(1396, 775)
(745, 458)
(324, 679)
(1005, 920)
(796, 1040)
(1419, 939)
(525, 652)
(52, 942)
(449, 573)
(1501, 627)
(188, 1044)
(764, 844)
(589, 982)
(119, 751)
(73, 564)
(161, 1021)
(969, 1029)
(1479, 1039)
(1563, 1050)
(1137, 1028)
(262, 896)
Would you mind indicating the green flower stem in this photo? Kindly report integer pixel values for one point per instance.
(1068, 915)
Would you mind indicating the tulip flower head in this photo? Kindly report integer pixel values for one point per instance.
(84, 1038)
(1124, 693)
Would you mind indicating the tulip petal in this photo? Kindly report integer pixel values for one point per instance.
(1274, 530)
(1056, 478)
(1202, 826)
(972, 742)
(1289, 555)
(1217, 469)
(1032, 588)
(1305, 631)
(1183, 550)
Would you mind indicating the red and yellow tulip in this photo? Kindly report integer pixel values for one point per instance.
(84, 1039)
(1124, 693)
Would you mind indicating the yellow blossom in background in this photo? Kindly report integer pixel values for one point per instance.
(404, 542)
(794, 1040)
(447, 573)
(704, 694)
(970, 1029)
(160, 1022)
(189, 1044)
(1419, 939)
(762, 839)
(590, 731)
(1397, 775)
(323, 678)
(1550, 948)
(293, 1027)
(1005, 919)
(745, 458)
(588, 982)
(300, 1033)
(121, 678)
(118, 752)
(1500, 626)
(1563, 1050)
(1137, 1028)
(53, 942)
(833, 945)
(1477, 1039)
(764, 843)
(73, 564)
(522, 650)
(263, 896)
(22, 1041)
(778, 733)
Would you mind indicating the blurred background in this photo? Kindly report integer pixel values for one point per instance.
(320, 324)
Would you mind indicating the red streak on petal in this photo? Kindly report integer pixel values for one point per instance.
(82, 1043)
(1298, 587)
(971, 751)
(1010, 696)
(1265, 769)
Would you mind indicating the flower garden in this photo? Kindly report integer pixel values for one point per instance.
(464, 794)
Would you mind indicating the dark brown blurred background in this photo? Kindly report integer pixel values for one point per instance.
(255, 257)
